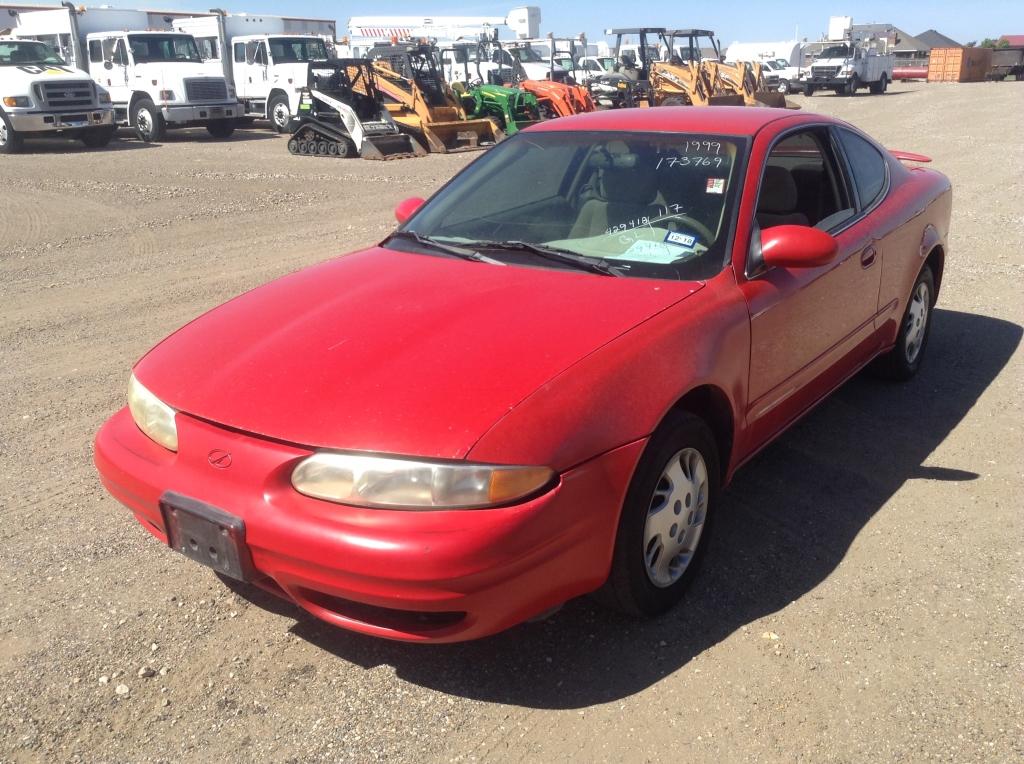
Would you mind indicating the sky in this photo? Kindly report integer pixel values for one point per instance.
(740, 20)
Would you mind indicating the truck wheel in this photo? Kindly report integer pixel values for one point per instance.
(10, 141)
(148, 121)
(879, 88)
(852, 85)
(222, 128)
(784, 86)
(808, 90)
(98, 137)
(279, 113)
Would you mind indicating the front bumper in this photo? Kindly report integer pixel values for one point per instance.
(426, 576)
(205, 113)
(47, 121)
(826, 82)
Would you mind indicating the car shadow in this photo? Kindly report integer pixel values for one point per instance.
(60, 145)
(784, 525)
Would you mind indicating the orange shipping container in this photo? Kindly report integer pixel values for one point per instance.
(959, 64)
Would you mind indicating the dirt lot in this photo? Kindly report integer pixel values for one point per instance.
(862, 601)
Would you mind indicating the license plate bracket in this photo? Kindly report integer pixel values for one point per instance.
(206, 534)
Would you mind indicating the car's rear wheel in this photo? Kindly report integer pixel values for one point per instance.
(903, 361)
(663, 528)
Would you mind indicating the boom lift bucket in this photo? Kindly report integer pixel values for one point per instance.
(341, 114)
(422, 103)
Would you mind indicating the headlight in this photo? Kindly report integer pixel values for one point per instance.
(154, 417)
(104, 96)
(166, 95)
(231, 91)
(22, 102)
(392, 482)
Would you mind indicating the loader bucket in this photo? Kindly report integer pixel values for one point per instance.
(461, 135)
(775, 100)
(726, 100)
(400, 146)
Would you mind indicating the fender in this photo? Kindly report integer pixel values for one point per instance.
(930, 239)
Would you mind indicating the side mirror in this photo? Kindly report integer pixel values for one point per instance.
(407, 207)
(797, 246)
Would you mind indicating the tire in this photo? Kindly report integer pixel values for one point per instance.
(808, 90)
(10, 141)
(902, 362)
(98, 137)
(147, 121)
(879, 87)
(673, 101)
(222, 128)
(784, 87)
(644, 580)
(279, 112)
(852, 85)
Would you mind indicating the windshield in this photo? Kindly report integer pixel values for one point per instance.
(607, 63)
(21, 52)
(301, 49)
(648, 204)
(836, 51)
(526, 54)
(163, 48)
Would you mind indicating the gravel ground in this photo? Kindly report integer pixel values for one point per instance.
(862, 600)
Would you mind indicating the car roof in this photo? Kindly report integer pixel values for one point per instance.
(722, 120)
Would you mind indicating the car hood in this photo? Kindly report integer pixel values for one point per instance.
(393, 352)
(18, 80)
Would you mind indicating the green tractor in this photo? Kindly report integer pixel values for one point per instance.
(513, 109)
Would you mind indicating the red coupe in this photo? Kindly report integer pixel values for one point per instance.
(538, 385)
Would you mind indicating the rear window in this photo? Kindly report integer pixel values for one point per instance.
(868, 167)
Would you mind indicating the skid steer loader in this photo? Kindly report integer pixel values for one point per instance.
(422, 103)
(341, 114)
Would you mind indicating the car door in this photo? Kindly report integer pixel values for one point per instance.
(253, 80)
(810, 327)
(114, 73)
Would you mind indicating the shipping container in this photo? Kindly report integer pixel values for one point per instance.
(959, 64)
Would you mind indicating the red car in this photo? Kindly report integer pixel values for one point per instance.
(539, 384)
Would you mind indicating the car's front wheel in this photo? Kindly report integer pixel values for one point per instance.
(663, 528)
(903, 361)
(10, 141)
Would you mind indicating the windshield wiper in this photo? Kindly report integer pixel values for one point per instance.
(564, 256)
(450, 249)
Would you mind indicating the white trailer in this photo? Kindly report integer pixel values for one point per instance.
(265, 57)
(156, 79)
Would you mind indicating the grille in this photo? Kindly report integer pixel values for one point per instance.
(67, 95)
(210, 89)
(824, 72)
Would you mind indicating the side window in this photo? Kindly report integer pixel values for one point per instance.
(95, 51)
(208, 48)
(239, 52)
(867, 165)
(108, 48)
(801, 184)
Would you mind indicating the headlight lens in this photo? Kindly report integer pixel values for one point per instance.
(391, 482)
(154, 417)
(104, 96)
(21, 102)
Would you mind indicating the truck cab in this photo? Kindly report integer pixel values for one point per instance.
(158, 80)
(41, 95)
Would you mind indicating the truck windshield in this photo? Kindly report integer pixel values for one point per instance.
(527, 55)
(836, 51)
(150, 48)
(291, 49)
(653, 205)
(21, 52)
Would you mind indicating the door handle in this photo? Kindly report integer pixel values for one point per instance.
(867, 257)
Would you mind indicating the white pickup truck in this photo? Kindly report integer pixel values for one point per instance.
(40, 95)
(844, 68)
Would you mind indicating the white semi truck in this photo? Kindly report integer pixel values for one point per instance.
(156, 79)
(40, 95)
(267, 63)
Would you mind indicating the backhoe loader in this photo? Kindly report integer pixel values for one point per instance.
(423, 104)
(341, 114)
